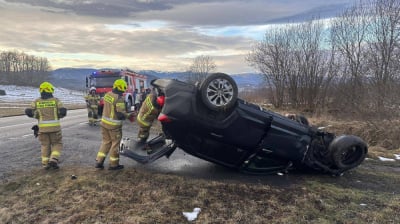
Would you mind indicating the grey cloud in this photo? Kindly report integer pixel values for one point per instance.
(241, 13)
(90, 40)
(205, 12)
(98, 8)
(324, 11)
(61, 35)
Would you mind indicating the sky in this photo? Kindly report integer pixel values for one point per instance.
(162, 35)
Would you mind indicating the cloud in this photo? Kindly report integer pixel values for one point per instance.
(146, 34)
(205, 12)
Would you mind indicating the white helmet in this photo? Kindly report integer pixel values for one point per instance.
(92, 89)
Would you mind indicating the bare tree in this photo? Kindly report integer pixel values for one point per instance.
(357, 71)
(366, 40)
(383, 54)
(311, 65)
(22, 69)
(271, 57)
(349, 36)
(202, 65)
(293, 63)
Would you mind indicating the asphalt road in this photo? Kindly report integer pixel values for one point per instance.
(20, 150)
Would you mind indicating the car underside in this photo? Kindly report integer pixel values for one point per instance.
(210, 122)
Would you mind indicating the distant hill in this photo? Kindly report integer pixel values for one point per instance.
(75, 78)
(71, 78)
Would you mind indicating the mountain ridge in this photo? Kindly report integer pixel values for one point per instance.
(74, 78)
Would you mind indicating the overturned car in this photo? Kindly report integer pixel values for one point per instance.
(210, 122)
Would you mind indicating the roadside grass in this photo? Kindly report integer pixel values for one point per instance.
(367, 194)
(363, 195)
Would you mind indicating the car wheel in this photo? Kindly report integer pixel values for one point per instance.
(219, 91)
(348, 151)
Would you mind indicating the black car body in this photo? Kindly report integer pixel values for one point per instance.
(210, 122)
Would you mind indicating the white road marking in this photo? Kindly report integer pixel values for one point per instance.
(34, 122)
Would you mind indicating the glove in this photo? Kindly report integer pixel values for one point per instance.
(63, 112)
(35, 129)
(131, 117)
(29, 112)
(120, 116)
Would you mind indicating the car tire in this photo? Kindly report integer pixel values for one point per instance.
(348, 151)
(219, 92)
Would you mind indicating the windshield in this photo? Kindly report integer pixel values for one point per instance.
(106, 81)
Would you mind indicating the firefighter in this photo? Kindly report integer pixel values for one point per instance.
(48, 110)
(148, 112)
(114, 113)
(92, 103)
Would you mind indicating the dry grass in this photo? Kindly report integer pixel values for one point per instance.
(367, 194)
(130, 196)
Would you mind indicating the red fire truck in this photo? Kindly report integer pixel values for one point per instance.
(103, 81)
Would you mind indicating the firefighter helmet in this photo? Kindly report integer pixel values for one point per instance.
(120, 85)
(46, 87)
(92, 89)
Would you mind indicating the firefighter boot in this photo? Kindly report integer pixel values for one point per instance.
(54, 165)
(46, 166)
(117, 167)
(99, 165)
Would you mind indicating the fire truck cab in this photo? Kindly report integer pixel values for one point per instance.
(103, 81)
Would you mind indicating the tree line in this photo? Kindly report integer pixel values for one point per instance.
(23, 69)
(348, 64)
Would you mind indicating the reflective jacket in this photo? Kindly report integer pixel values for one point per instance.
(92, 100)
(114, 112)
(148, 111)
(47, 111)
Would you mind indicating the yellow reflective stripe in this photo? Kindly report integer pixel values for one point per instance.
(45, 159)
(112, 111)
(120, 106)
(101, 154)
(40, 115)
(111, 121)
(107, 122)
(109, 99)
(144, 123)
(55, 154)
(150, 109)
(55, 111)
(51, 123)
(114, 158)
(46, 104)
(48, 125)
